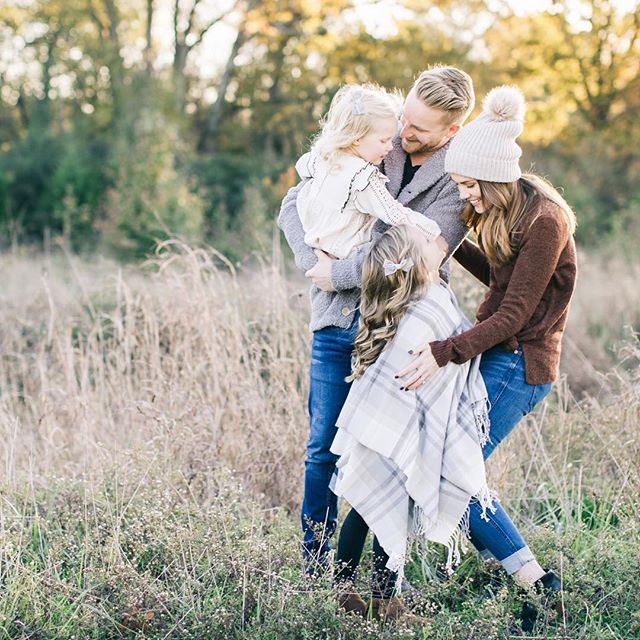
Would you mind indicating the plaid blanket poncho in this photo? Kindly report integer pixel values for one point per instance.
(410, 461)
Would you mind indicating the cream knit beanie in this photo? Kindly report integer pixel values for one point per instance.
(486, 148)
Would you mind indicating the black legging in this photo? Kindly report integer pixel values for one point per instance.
(350, 545)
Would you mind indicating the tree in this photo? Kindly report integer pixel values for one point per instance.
(190, 26)
(584, 62)
(580, 70)
(209, 132)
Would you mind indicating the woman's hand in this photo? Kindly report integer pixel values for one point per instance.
(320, 273)
(422, 368)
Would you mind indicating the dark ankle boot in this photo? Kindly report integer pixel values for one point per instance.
(549, 586)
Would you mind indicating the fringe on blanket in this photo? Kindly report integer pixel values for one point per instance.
(396, 564)
(481, 410)
(457, 544)
(420, 525)
(486, 498)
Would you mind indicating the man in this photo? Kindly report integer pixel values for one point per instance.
(437, 105)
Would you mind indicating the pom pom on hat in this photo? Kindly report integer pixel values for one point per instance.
(505, 103)
(486, 148)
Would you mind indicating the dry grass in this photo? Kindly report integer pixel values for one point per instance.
(196, 366)
(128, 394)
(185, 359)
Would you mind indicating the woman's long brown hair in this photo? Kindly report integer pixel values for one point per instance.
(506, 204)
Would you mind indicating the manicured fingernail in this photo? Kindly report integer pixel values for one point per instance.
(396, 377)
(401, 388)
(410, 352)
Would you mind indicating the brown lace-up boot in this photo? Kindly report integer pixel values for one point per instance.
(392, 610)
(349, 600)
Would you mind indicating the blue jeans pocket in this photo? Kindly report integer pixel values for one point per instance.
(498, 368)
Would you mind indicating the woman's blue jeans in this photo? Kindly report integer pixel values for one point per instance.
(331, 349)
(511, 399)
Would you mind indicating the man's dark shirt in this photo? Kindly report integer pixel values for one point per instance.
(409, 172)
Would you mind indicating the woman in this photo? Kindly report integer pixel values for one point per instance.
(526, 256)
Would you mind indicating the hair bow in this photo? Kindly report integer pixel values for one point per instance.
(391, 267)
(357, 108)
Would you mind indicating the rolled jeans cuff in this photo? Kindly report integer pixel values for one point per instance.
(517, 560)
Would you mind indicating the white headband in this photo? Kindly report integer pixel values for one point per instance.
(357, 108)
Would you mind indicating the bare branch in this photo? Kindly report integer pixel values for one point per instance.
(93, 14)
(571, 40)
(176, 8)
(210, 24)
(112, 12)
(192, 14)
(149, 24)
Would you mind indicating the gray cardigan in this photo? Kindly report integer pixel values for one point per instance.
(431, 192)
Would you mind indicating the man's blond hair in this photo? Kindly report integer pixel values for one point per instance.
(448, 89)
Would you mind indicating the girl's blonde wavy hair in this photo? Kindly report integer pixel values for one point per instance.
(385, 299)
(352, 114)
(505, 206)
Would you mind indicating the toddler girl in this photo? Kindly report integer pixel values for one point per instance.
(346, 193)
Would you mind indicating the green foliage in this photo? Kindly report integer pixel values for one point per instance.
(142, 558)
(598, 182)
(242, 196)
(52, 183)
(151, 198)
(28, 168)
(80, 161)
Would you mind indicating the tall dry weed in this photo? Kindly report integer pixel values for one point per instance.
(186, 359)
(152, 428)
(191, 365)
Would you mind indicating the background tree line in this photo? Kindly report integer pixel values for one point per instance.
(124, 121)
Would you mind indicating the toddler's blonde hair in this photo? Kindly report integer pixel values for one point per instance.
(352, 114)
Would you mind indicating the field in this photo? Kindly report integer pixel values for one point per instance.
(152, 429)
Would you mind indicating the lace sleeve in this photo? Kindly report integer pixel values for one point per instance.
(375, 200)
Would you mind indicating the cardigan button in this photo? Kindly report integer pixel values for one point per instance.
(346, 311)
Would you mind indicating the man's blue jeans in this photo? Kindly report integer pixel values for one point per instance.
(511, 399)
(331, 350)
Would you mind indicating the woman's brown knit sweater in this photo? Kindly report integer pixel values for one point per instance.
(528, 298)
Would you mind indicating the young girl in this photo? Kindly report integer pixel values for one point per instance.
(527, 257)
(409, 462)
(346, 193)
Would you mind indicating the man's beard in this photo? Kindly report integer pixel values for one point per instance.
(425, 148)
